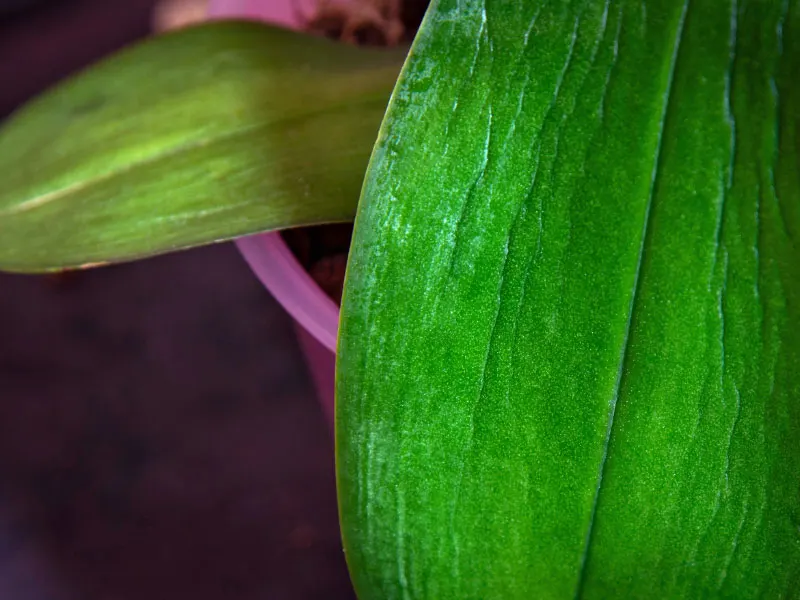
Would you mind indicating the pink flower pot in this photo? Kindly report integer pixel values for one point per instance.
(316, 315)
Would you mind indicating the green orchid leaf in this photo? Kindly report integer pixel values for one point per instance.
(569, 357)
(200, 135)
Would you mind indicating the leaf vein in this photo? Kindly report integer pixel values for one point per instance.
(624, 354)
(65, 191)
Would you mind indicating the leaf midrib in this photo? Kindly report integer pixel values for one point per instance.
(624, 352)
(40, 200)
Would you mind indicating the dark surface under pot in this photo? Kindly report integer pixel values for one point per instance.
(11, 7)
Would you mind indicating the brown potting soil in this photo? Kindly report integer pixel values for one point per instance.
(322, 249)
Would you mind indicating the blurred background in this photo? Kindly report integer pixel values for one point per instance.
(159, 434)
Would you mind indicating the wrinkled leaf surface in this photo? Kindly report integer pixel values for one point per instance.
(569, 361)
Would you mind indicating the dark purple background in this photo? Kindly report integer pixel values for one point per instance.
(159, 434)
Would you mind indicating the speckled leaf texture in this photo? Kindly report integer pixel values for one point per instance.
(570, 348)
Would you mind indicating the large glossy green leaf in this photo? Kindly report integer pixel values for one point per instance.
(200, 135)
(569, 360)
